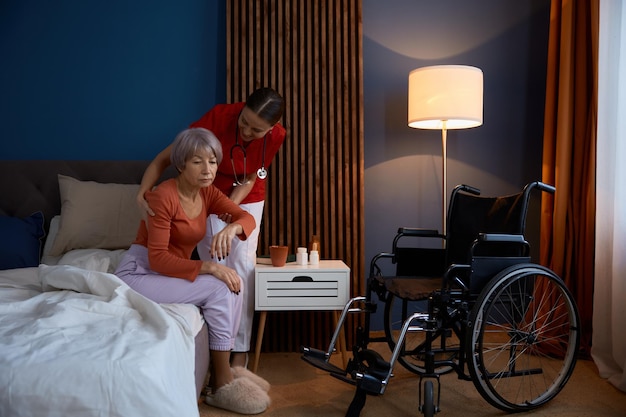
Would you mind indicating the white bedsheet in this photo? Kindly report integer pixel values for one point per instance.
(104, 260)
(75, 342)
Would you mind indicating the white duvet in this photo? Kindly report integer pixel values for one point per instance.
(75, 342)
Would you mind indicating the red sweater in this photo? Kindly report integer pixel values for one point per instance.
(171, 236)
(222, 121)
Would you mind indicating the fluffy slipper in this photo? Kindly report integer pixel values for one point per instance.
(239, 372)
(241, 396)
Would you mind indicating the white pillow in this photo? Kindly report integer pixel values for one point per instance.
(96, 215)
(101, 260)
(47, 247)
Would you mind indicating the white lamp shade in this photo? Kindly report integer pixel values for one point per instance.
(445, 93)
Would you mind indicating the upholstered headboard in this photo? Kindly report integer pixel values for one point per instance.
(30, 186)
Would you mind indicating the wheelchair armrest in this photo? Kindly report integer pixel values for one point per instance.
(414, 232)
(419, 232)
(505, 245)
(500, 237)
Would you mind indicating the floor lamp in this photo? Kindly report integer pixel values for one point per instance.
(445, 97)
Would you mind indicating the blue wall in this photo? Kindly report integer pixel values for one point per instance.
(114, 79)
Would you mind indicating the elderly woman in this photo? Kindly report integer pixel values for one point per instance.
(159, 265)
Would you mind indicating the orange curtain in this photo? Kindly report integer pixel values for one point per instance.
(569, 151)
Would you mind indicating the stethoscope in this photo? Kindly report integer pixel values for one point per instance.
(261, 172)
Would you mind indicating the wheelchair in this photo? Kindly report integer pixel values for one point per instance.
(474, 305)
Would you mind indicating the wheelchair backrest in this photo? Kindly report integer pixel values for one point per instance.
(471, 214)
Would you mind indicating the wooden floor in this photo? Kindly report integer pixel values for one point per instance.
(300, 390)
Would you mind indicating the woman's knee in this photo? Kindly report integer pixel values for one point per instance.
(216, 292)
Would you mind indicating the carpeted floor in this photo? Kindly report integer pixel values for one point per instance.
(300, 390)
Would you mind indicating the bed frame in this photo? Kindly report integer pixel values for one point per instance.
(29, 186)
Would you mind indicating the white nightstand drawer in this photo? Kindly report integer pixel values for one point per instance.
(325, 286)
(293, 287)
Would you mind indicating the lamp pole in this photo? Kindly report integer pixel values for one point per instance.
(444, 181)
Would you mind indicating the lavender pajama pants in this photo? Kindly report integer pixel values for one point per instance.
(221, 308)
(242, 258)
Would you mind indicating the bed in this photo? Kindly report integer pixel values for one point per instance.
(74, 339)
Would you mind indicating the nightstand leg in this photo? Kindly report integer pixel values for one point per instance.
(259, 340)
(341, 340)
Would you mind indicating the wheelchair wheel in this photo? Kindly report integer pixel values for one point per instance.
(413, 355)
(428, 408)
(523, 337)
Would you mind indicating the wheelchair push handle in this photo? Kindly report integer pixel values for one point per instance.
(543, 187)
(469, 189)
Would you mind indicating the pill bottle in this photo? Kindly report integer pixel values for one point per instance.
(302, 256)
(314, 244)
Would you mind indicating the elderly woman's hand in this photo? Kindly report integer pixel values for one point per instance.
(222, 241)
(223, 273)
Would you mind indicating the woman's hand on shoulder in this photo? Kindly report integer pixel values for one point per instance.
(144, 206)
(225, 217)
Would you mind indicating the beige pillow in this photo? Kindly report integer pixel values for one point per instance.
(96, 215)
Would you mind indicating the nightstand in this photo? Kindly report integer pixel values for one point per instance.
(292, 287)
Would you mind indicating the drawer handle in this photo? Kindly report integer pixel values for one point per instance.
(302, 278)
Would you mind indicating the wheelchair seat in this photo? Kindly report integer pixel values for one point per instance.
(418, 271)
(411, 288)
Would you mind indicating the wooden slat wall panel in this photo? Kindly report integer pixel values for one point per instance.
(310, 52)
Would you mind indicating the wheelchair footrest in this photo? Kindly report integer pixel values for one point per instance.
(365, 383)
(320, 361)
(343, 377)
(369, 383)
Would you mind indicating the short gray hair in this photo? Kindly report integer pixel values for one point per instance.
(190, 141)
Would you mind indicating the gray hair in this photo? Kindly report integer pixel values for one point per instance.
(190, 141)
